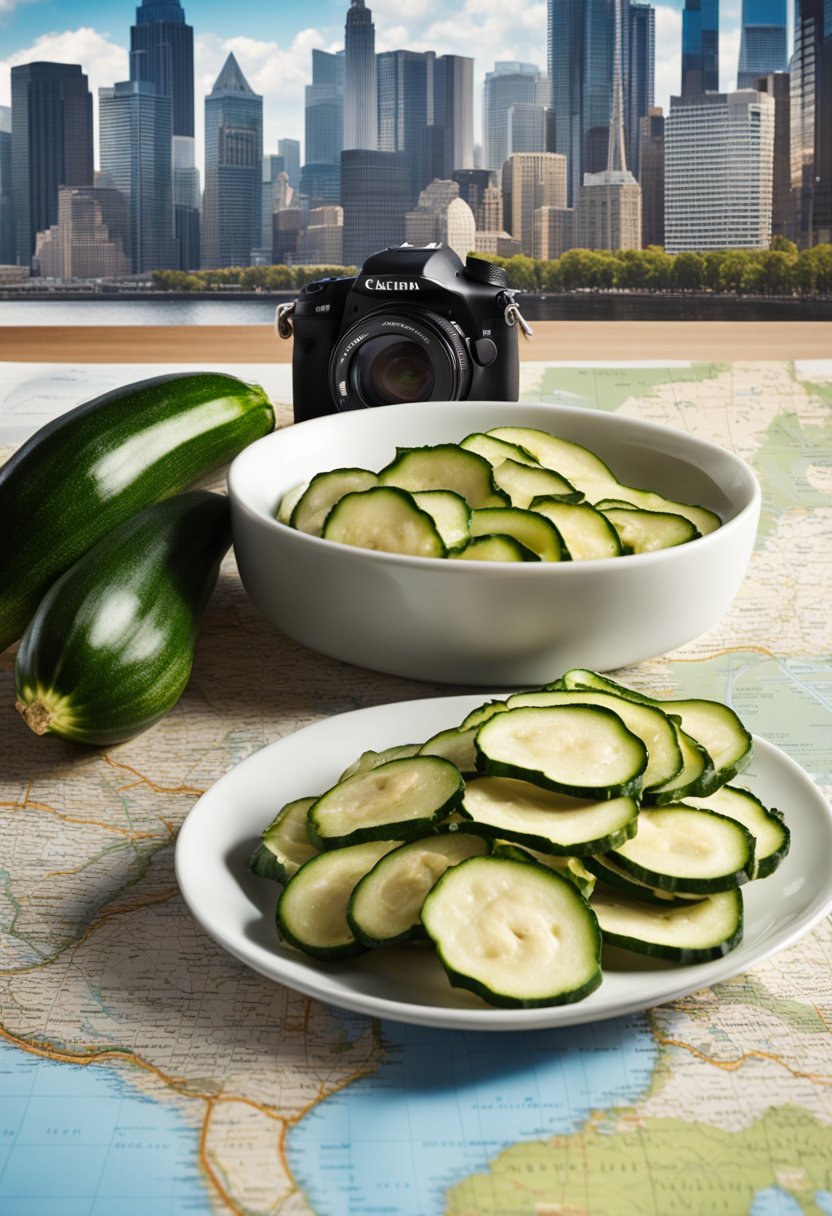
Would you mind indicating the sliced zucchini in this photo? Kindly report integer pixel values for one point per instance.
(719, 730)
(482, 713)
(695, 775)
(384, 518)
(501, 808)
(494, 548)
(572, 461)
(582, 750)
(613, 875)
(685, 933)
(523, 482)
(289, 501)
(517, 934)
(369, 760)
(323, 492)
(587, 534)
(531, 529)
(286, 844)
(399, 800)
(449, 511)
(654, 728)
(444, 466)
(312, 908)
(771, 835)
(704, 521)
(570, 867)
(646, 531)
(685, 848)
(385, 908)
(456, 745)
(582, 677)
(495, 451)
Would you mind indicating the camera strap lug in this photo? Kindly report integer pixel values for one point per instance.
(283, 319)
(513, 316)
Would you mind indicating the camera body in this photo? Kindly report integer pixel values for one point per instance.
(413, 325)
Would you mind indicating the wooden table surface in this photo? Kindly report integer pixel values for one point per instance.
(707, 341)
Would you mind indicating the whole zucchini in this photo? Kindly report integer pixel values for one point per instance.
(110, 647)
(100, 463)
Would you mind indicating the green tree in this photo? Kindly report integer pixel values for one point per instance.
(522, 272)
(734, 268)
(688, 272)
(776, 272)
(781, 244)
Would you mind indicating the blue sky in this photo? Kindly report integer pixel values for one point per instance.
(273, 40)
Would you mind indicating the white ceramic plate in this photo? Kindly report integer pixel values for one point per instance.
(407, 984)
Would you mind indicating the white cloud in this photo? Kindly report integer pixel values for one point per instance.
(668, 54)
(729, 59)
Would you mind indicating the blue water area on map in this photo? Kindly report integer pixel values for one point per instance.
(774, 1202)
(79, 1141)
(444, 1103)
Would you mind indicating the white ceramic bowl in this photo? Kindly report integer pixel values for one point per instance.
(489, 623)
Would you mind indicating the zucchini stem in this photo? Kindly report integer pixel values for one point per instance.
(36, 714)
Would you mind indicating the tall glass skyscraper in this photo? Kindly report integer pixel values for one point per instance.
(360, 105)
(162, 52)
(811, 120)
(763, 41)
(511, 83)
(135, 144)
(375, 190)
(639, 77)
(405, 110)
(51, 144)
(7, 245)
(453, 110)
(232, 204)
(700, 47)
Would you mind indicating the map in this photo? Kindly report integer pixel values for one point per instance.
(145, 1072)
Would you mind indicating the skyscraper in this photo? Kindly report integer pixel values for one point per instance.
(528, 126)
(324, 109)
(639, 75)
(777, 85)
(7, 243)
(509, 84)
(233, 169)
(453, 111)
(763, 41)
(90, 238)
(719, 154)
(811, 120)
(289, 151)
(651, 177)
(135, 151)
(375, 190)
(405, 110)
(162, 52)
(360, 89)
(531, 180)
(700, 47)
(51, 144)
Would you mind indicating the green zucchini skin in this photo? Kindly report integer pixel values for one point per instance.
(85, 472)
(110, 648)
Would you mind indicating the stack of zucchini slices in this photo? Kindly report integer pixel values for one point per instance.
(518, 843)
(510, 494)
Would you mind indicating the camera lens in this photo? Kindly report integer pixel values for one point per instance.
(388, 371)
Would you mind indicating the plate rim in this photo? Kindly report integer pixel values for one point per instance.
(315, 981)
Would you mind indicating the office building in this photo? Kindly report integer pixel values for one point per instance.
(811, 121)
(289, 152)
(232, 204)
(531, 180)
(324, 110)
(453, 112)
(287, 227)
(320, 185)
(639, 78)
(762, 41)
(375, 191)
(651, 177)
(554, 232)
(700, 47)
(496, 241)
(530, 128)
(91, 237)
(322, 240)
(7, 242)
(442, 216)
(135, 151)
(778, 86)
(511, 83)
(360, 84)
(51, 145)
(719, 155)
(405, 110)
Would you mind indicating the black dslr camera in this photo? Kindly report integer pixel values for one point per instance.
(413, 325)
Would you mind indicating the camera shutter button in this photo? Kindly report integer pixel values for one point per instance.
(485, 351)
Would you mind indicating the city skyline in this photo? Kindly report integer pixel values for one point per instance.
(278, 62)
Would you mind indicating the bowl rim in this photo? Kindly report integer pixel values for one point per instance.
(720, 536)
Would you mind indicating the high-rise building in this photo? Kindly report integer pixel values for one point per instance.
(288, 226)
(162, 52)
(778, 86)
(320, 185)
(289, 150)
(7, 242)
(531, 180)
(324, 109)
(322, 240)
(232, 204)
(375, 189)
(639, 75)
(441, 215)
(762, 41)
(700, 47)
(51, 144)
(135, 151)
(405, 109)
(453, 111)
(530, 128)
(510, 83)
(651, 177)
(360, 84)
(811, 121)
(91, 237)
(554, 232)
(719, 154)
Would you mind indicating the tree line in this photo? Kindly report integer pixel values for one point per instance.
(778, 271)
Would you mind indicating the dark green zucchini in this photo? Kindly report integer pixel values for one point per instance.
(110, 648)
(100, 463)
